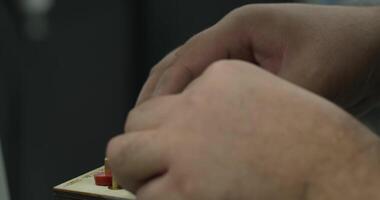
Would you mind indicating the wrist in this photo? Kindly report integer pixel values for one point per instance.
(359, 178)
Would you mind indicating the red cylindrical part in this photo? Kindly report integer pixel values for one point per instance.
(103, 179)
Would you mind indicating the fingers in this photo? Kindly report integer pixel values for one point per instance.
(195, 55)
(221, 41)
(155, 74)
(135, 158)
(150, 114)
(242, 35)
(161, 188)
(227, 72)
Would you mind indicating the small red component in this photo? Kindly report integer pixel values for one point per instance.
(103, 179)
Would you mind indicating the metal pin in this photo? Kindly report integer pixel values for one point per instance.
(115, 185)
(107, 169)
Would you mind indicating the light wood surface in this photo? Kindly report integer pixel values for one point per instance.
(84, 185)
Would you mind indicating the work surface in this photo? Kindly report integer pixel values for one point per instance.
(84, 188)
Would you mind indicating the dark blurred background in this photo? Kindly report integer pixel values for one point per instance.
(70, 72)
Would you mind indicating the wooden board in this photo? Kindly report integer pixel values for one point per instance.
(84, 188)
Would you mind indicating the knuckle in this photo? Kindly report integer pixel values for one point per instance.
(222, 68)
(171, 56)
(252, 10)
(119, 149)
(136, 112)
(132, 114)
(148, 115)
(157, 69)
(154, 70)
(252, 15)
(226, 71)
(239, 15)
(237, 12)
(231, 66)
(177, 52)
(114, 149)
(197, 38)
(121, 152)
(214, 77)
(220, 65)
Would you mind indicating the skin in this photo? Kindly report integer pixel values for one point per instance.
(208, 128)
(239, 132)
(329, 50)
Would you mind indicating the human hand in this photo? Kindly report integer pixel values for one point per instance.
(330, 50)
(239, 133)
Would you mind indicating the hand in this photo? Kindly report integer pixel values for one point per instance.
(239, 133)
(330, 50)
